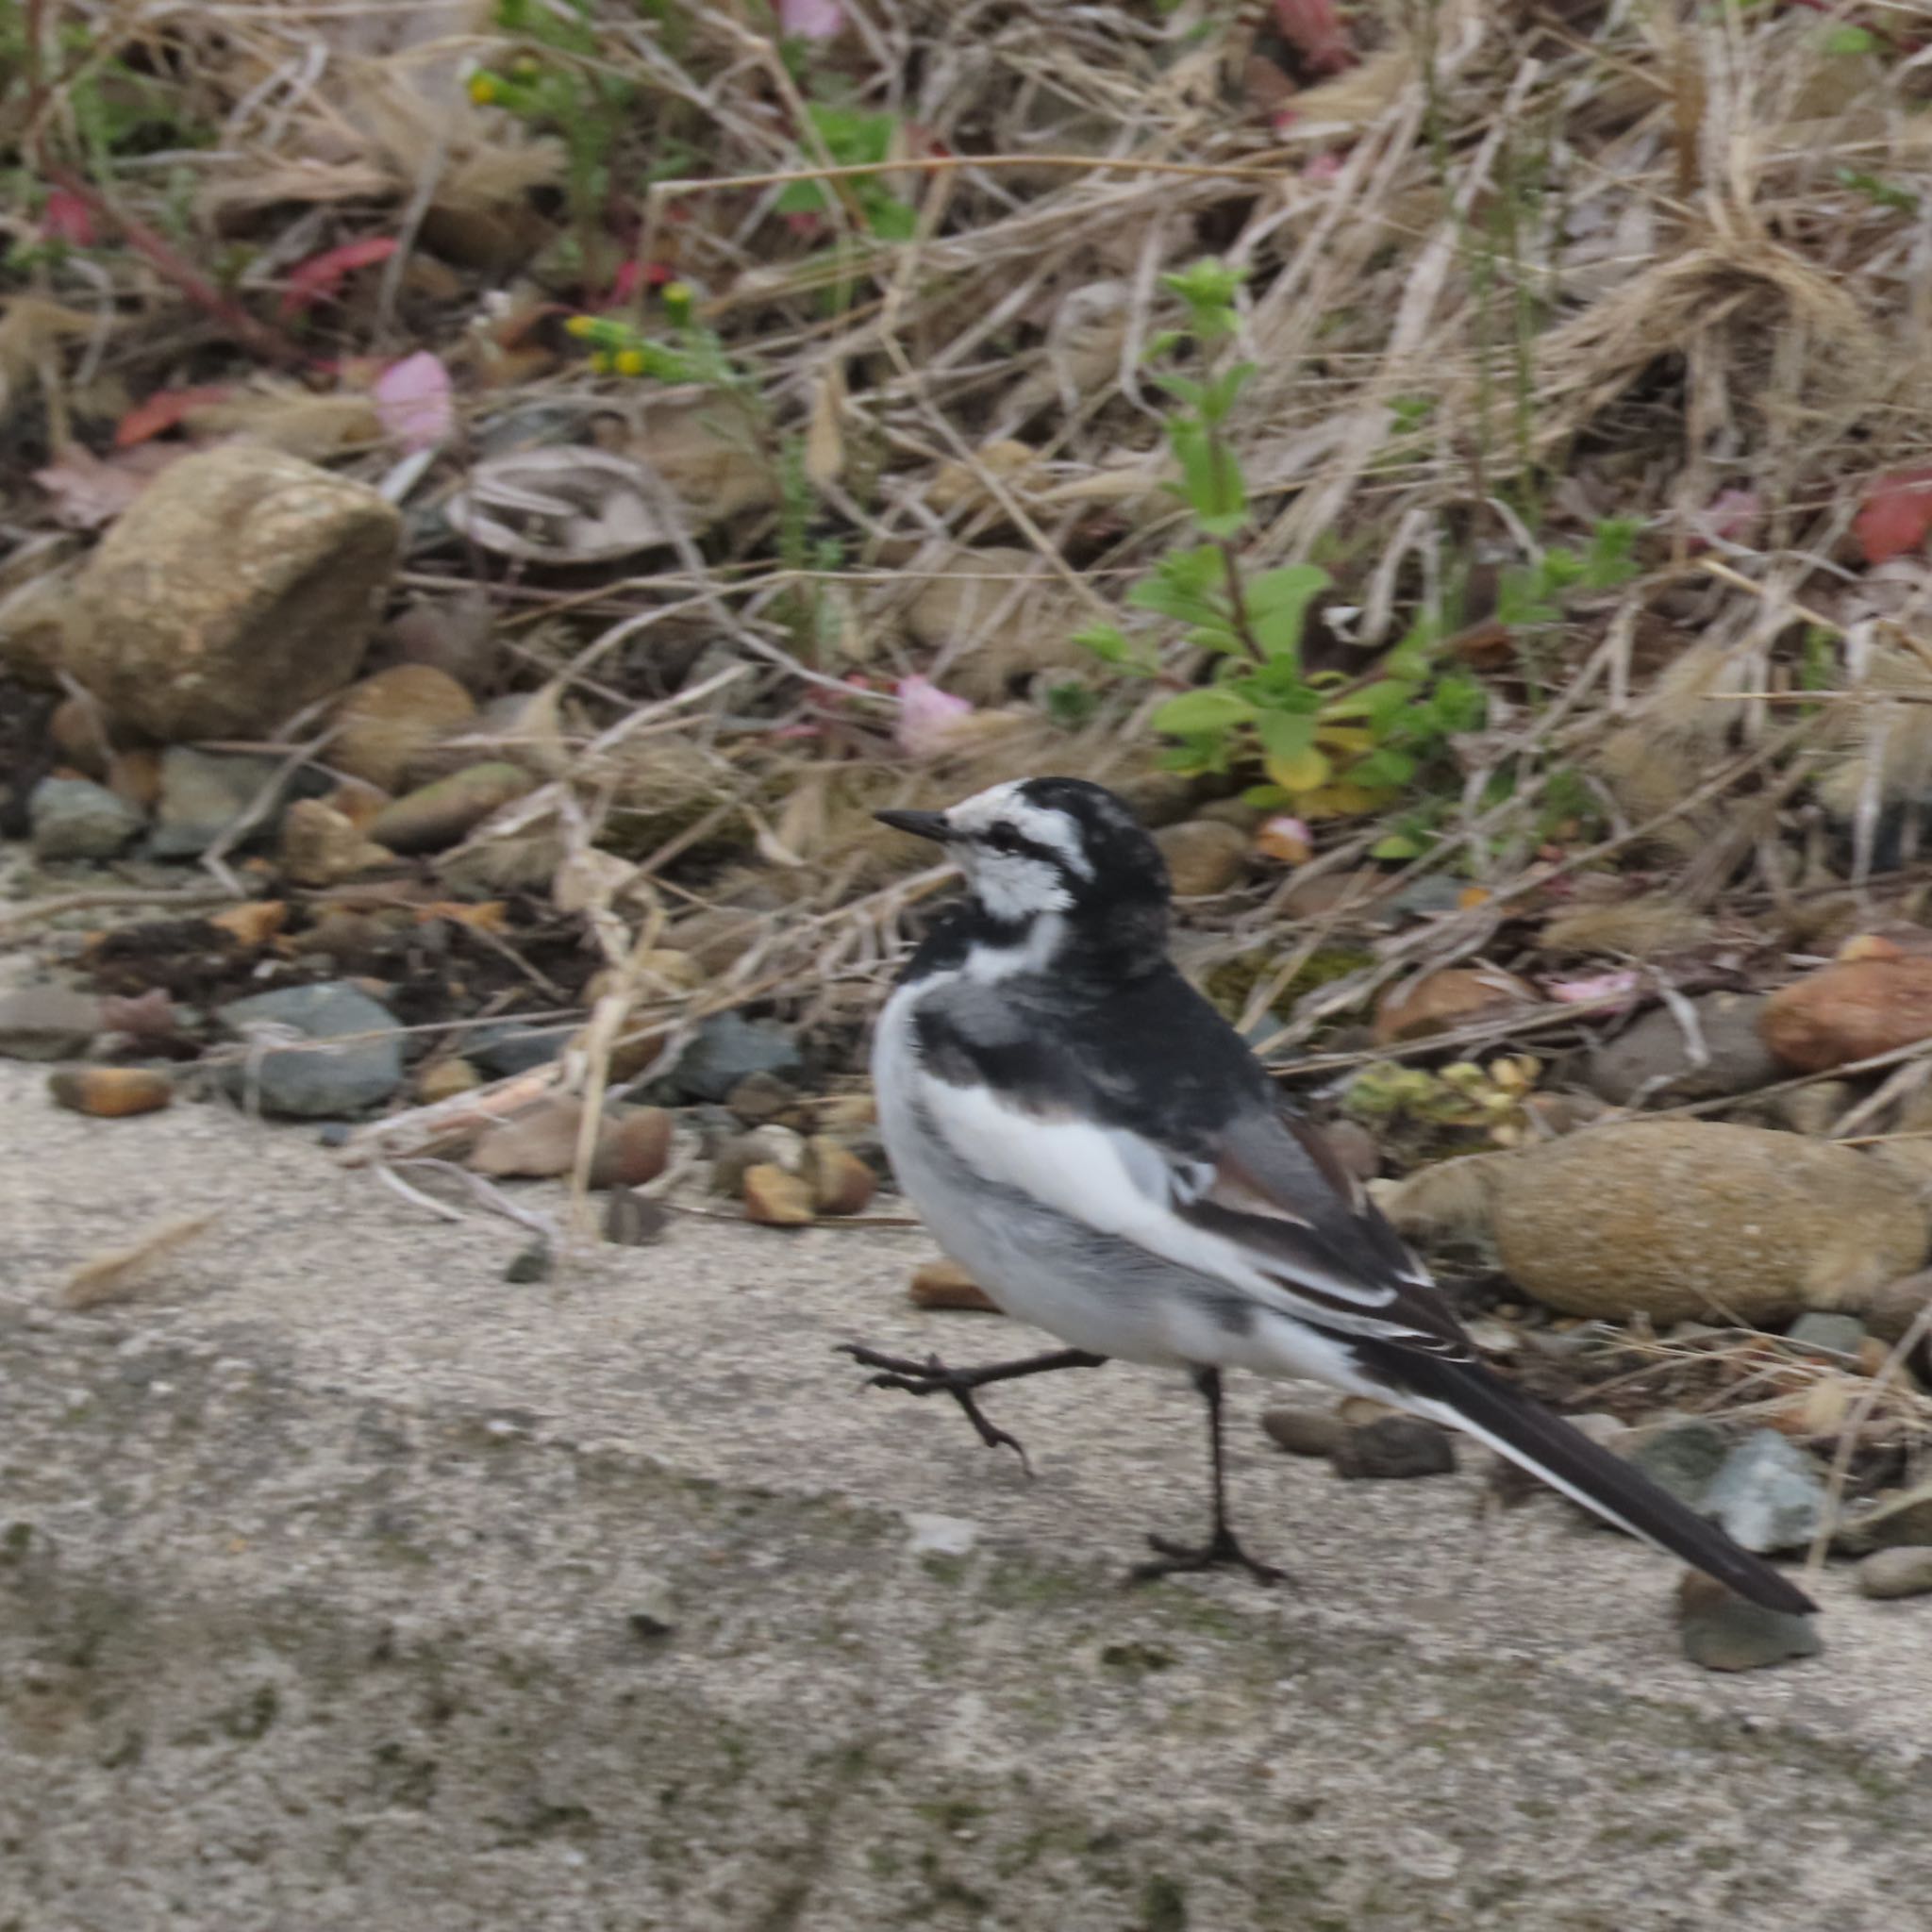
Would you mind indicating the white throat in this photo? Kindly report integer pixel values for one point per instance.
(1034, 951)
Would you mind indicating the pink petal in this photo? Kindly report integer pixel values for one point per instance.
(811, 20)
(1733, 515)
(927, 717)
(67, 218)
(1600, 986)
(412, 399)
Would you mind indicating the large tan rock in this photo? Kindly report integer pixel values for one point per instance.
(240, 586)
(1694, 1221)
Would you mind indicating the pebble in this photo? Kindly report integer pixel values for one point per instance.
(47, 1022)
(1686, 1219)
(501, 1051)
(384, 723)
(726, 1048)
(1303, 1431)
(1899, 1303)
(1682, 1458)
(1440, 1002)
(1835, 1334)
(444, 1079)
(1394, 1446)
(1769, 1495)
(840, 1182)
(1651, 1057)
(761, 1097)
(1903, 1572)
(1721, 1631)
(632, 1219)
(532, 1264)
(941, 1536)
(1896, 1517)
(634, 1147)
(273, 570)
(322, 846)
(1848, 1011)
(343, 1079)
(76, 819)
(946, 1285)
(204, 793)
(1203, 856)
(777, 1199)
(111, 1092)
(537, 1144)
(433, 817)
(769, 1147)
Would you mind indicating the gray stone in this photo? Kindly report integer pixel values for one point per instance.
(47, 1022)
(1897, 1517)
(501, 1051)
(761, 1097)
(1303, 1431)
(315, 1082)
(632, 1219)
(204, 794)
(1683, 1457)
(1835, 1334)
(76, 819)
(1723, 1632)
(1769, 1495)
(1393, 1447)
(726, 1047)
(1905, 1571)
(768, 1146)
(1651, 1057)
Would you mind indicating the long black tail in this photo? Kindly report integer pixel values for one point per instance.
(1468, 1395)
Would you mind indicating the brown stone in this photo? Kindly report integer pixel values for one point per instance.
(445, 1079)
(439, 815)
(1850, 1012)
(241, 586)
(1203, 856)
(1441, 1002)
(840, 1182)
(777, 1199)
(136, 776)
(946, 1285)
(321, 847)
(632, 1149)
(112, 1091)
(1897, 1306)
(383, 723)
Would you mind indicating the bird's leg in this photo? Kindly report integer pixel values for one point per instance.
(1222, 1547)
(933, 1377)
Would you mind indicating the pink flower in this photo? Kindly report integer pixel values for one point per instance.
(413, 400)
(810, 20)
(1600, 986)
(929, 718)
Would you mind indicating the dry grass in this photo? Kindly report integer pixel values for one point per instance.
(1521, 267)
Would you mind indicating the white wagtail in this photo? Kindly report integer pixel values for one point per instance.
(1099, 1149)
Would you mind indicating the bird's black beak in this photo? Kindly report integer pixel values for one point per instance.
(921, 825)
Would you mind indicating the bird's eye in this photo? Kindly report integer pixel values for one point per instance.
(1002, 838)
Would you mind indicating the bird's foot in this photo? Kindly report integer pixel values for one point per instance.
(933, 1377)
(1223, 1551)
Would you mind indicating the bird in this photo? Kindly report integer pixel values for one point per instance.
(1089, 1137)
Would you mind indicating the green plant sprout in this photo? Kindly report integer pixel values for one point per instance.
(1323, 747)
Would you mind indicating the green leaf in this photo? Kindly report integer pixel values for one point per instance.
(802, 198)
(889, 219)
(1279, 601)
(1610, 560)
(1211, 479)
(1108, 642)
(1851, 40)
(1397, 845)
(1211, 711)
(1383, 768)
(1264, 797)
(1182, 587)
(1284, 734)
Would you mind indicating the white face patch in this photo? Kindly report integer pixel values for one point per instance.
(1038, 824)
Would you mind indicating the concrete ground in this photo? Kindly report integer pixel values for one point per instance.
(344, 1585)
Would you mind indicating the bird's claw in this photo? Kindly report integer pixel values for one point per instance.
(1223, 1552)
(933, 1377)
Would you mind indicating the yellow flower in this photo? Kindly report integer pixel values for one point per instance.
(630, 361)
(483, 88)
(580, 326)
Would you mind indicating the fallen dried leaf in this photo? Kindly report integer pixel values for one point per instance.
(562, 506)
(322, 274)
(117, 1273)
